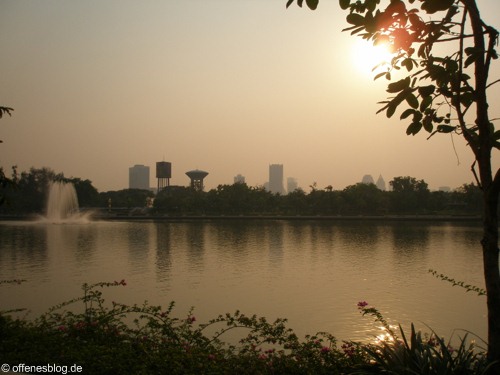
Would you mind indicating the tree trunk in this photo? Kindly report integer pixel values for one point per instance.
(490, 186)
(491, 269)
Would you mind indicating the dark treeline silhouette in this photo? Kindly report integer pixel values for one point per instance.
(407, 196)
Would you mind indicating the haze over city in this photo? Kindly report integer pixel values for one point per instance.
(224, 86)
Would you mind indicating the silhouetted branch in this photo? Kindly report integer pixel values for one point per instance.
(6, 110)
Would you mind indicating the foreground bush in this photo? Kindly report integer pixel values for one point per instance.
(141, 339)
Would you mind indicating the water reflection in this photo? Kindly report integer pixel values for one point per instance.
(163, 251)
(20, 247)
(311, 272)
(138, 242)
(195, 241)
(275, 242)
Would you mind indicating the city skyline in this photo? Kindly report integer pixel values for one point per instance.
(220, 86)
(139, 173)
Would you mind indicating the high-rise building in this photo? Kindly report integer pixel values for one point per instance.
(276, 179)
(367, 179)
(239, 179)
(138, 177)
(291, 184)
(381, 183)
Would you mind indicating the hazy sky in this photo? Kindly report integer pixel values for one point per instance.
(227, 86)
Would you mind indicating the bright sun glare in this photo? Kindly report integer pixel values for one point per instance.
(366, 56)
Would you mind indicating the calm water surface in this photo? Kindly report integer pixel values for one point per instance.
(311, 272)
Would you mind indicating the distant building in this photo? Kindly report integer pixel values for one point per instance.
(276, 179)
(444, 188)
(367, 179)
(381, 183)
(239, 179)
(291, 184)
(138, 177)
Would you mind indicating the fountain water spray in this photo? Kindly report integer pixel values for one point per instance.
(62, 203)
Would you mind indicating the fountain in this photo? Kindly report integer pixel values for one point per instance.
(62, 204)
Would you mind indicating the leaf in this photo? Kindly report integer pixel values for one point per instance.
(355, 19)
(427, 123)
(408, 112)
(433, 6)
(426, 90)
(445, 128)
(390, 110)
(414, 128)
(407, 63)
(425, 103)
(344, 4)
(399, 85)
(312, 4)
(412, 100)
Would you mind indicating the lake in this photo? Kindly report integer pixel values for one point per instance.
(311, 272)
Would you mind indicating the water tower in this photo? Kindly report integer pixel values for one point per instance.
(163, 174)
(197, 177)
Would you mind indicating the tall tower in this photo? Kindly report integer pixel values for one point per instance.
(163, 174)
(138, 177)
(276, 179)
(197, 177)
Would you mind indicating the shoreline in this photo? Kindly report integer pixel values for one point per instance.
(416, 217)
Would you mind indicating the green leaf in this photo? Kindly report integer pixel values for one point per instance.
(412, 100)
(344, 4)
(355, 19)
(399, 85)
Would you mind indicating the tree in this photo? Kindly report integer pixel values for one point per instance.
(409, 194)
(4, 180)
(442, 92)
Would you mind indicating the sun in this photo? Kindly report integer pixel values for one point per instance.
(366, 57)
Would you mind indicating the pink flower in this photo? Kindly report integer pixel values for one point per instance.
(362, 304)
(191, 319)
(325, 349)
